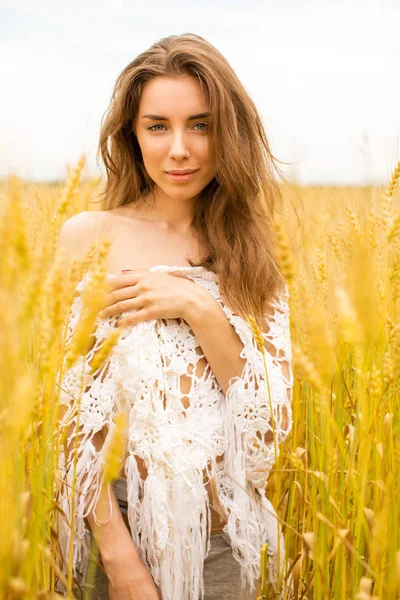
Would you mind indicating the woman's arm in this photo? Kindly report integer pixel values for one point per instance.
(83, 425)
(96, 503)
(262, 415)
(218, 339)
(112, 537)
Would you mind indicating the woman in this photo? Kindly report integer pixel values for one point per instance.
(188, 204)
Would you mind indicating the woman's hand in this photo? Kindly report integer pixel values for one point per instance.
(152, 294)
(130, 580)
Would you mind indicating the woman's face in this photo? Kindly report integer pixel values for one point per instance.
(175, 136)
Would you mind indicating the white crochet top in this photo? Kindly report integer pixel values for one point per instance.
(167, 512)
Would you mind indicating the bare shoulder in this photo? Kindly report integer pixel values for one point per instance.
(79, 232)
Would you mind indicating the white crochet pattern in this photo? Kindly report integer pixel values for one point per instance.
(167, 512)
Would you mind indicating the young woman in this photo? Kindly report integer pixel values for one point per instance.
(189, 200)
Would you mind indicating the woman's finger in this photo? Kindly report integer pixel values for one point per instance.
(128, 278)
(121, 306)
(130, 291)
(138, 317)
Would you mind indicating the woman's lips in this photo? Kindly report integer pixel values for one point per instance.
(182, 178)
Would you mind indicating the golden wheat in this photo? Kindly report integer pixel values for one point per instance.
(336, 482)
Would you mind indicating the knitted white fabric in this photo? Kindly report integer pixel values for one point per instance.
(167, 512)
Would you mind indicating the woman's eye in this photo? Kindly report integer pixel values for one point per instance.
(205, 128)
(157, 125)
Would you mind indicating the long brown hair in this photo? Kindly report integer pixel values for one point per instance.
(234, 211)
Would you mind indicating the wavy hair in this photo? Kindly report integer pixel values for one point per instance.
(234, 212)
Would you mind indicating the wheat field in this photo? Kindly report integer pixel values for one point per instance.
(336, 482)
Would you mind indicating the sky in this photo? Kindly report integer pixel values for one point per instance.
(322, 73)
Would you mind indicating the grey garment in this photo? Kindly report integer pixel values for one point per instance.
(221, 570)
(221, 575)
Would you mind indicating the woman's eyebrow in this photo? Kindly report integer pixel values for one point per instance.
(191, 118)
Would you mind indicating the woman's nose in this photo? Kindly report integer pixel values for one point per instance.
(179, 147)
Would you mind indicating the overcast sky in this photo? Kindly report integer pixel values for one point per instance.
(324, 75)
